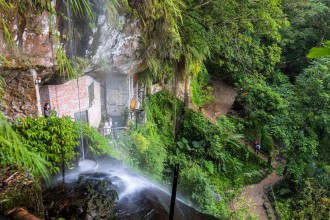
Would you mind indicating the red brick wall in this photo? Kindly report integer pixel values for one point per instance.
(65, 99)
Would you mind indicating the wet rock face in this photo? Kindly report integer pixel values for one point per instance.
(114, 46)
(20, 95)
(32, 37)
(114, 189)
(88, 198)
(111, 48)
(153, 204)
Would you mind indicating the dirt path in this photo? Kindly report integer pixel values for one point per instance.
(224, 97)
(253, 197)
(255, 200)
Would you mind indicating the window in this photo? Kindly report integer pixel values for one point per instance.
(81, 116)
(91, 93)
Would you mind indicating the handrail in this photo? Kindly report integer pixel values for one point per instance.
(108, 131)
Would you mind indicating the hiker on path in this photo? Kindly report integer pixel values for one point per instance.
(256, 145)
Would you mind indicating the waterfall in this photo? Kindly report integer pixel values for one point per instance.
(139, 198)
(72, 53)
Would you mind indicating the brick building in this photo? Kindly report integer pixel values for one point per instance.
(83, 105)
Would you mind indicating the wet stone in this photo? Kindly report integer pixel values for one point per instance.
(88, 198)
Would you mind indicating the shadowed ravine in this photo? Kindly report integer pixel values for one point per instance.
(138, 198)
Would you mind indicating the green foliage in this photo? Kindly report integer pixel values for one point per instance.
(227, 133)
(200, 89)
(310, 25)
(7, 35)
(304, 130)
(195, 184)
(196, 127)
(144, 150)
(205, 152)
(320, 51)
(266, 141)
(65, 66)
(16, 154)
(97, 143)
(181, 35)
(6, 8)
(160, 23)
(5, 5)
(160, 109)
(56, 139)
(245, 35)
(311, 203)
(81, 7)
(261, 102)
(252, 175)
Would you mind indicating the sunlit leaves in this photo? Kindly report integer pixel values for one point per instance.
(80, 6)
(65, 66)
(316, 52)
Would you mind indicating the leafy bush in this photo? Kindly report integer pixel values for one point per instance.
(56, 139)
(143, 149)
(97, 143)
(266, 141)
(261, 102)
(195, 185)
(160, 110)
(200, 91)
(14, 153)
(311, 202)
(197, 127)
(204, 151)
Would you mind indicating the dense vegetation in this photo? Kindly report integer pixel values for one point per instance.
(260, 48)
(57, 140)
(213, 162)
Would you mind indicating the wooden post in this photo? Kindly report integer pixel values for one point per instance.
(173, 197)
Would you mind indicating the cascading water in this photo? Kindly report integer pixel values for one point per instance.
(138, 198)
(72, 53)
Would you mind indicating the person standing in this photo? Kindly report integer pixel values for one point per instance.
(47, 110)
(256, 145)
(107, 126)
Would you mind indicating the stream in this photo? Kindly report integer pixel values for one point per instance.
(135, 196)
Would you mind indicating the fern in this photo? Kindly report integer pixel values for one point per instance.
(15, 154)
(5, 5)
(7, 35)
(65, 66)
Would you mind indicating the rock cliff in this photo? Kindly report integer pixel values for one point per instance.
(36, 34)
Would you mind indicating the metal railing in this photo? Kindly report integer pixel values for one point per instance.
(112, 132)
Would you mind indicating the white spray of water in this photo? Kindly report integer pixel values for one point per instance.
(127, 182)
